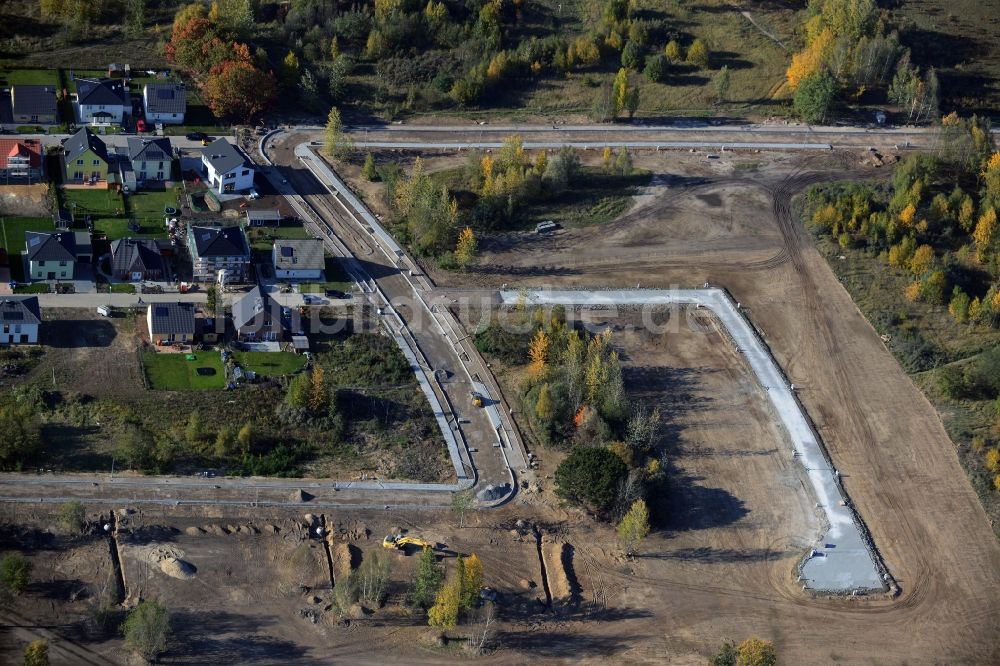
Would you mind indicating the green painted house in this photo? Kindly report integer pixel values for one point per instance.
(85, 158)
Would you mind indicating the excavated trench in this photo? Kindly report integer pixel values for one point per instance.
(541, 566)
(121, 591)
(326, 549)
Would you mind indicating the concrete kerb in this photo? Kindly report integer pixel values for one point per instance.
(411, 349)
(394, 253)
(846, 559)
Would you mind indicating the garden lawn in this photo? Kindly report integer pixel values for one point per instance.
(336, 278)
(270, 364)
(117, 227)
(12, 231)
(148, 205)
(32, 77)
(95, 202)
(173, 372)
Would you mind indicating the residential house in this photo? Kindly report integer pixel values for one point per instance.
(20, 160)
(54, 256)
(170, 322)
(164, 103)
(256, 317)
(149, 160)
(34, 104)
(85, 158)
(298, 259)
(263, 218)
(137, 259)
(227, 169)
(102, 101)
(20, 318)
(215, 249)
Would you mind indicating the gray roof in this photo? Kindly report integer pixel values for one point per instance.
(302, 255)
(50, 247)
(81, 142)
(20, 310)
(252, 305)
(224, 156)
(220, 242)
(165, 97)
(170, 318)
(107, 92)
(133, 255)
(34, 100)
(149, 150)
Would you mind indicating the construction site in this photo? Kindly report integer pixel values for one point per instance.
(813, 499)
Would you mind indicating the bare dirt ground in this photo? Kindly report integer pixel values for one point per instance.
(721, 566)
(25, 200)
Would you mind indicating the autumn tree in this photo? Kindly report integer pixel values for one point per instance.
(472, 581)
(37, 653)
(291, 71)
(337, 142)
(619, 92)
(634, 526)
(462, 502)
(319, 392)
(991, 179)
(922, 259)
(697, 54)
(985, 233)
(72, 517)
(465, 248)
(239, 91)
(673, 51)
(755, 652)
(814, 97)
(538, 354)
(444, 612)
(544, 408)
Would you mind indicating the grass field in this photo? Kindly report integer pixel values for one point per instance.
(34, 77)
(95, 202)
(959, 39)
(147, 205)
(336, 278)
(117, 227)
(36, 288)
(12, 231)
(262, 238)
(270, 364)
(173, 372)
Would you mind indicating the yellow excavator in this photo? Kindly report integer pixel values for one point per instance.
(477, 399)
(400, 542)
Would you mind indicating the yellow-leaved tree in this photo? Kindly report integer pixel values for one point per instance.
(634, 526)
(985, 233)
(444, 612)
(543, 406)
(472, 581)
(991, 177)
(319, 394)
(922, 259)
(807, 62)
(755, 652)
(465, 248)
(538, 352)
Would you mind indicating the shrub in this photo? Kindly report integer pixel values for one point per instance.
(590, 477)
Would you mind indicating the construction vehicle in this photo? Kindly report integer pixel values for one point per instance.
(477, 399)
(400, 542)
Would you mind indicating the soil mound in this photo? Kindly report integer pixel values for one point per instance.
(177, 568)
(346, 558)
(558, 558)
(194, 531)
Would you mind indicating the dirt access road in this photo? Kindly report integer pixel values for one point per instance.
(729, 222)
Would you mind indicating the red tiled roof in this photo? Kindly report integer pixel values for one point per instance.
(21, 147)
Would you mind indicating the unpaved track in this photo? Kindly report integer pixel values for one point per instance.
(899, 465)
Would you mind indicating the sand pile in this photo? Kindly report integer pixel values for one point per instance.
(556, 554)
(194, 531)
(177, 568)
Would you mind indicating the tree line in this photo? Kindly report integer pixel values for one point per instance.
(851, 54)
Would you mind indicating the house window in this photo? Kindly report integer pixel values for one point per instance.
(62, 263)
(246, 172)
(77, 175)
(79, 161)
(34, 119)
(160, 166)
(97, 162)
(230, 176)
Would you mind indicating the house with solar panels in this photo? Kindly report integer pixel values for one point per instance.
(298, 259)
(164, 103)
(170, 322)
(20, 317)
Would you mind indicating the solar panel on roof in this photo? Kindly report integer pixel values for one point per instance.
(286, 251)
(160, 311)
(14, 315)
(165, 93)
(34, 240)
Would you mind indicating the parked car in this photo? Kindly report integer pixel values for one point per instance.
(254, 194)
(196, 136)
(336, 293)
